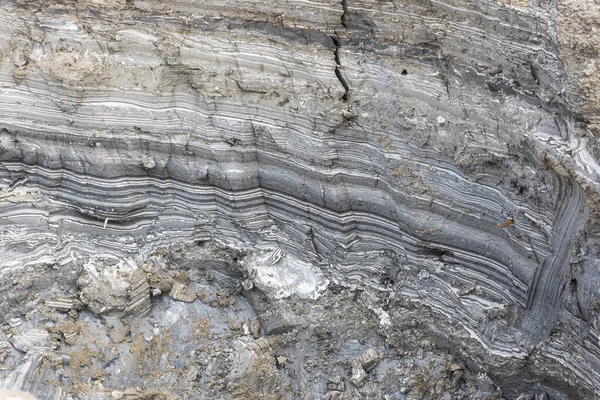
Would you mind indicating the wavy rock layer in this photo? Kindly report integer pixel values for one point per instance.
(434, 152)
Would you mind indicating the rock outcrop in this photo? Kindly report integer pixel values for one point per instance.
(437, 159)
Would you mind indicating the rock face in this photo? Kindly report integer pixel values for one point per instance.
(429, 168)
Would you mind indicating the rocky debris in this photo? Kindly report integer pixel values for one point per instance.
(254, 328)
(69, 331)
(102, 290)
(279, 318)
(335, 383)
(254, 369)
(335, 387)
(227, 358)
(362, 365)
(180, 292)
(236, 326)
(160, 284)
(359, 375)
(261, 346)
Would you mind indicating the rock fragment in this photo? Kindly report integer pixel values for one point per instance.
(27, 340)
(361, 365)
(335, 387)
(455, 367)
(15, 322)
(60, 303)
(101, 291)
(162, 284)
(254, 327)
(234, 326)
(335, 383)
(368, 359)
(181, 292)
(332, 395)
(281, 360)
(139, 297)
(359, 375)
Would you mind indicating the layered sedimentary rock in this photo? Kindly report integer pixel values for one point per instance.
(439, 154)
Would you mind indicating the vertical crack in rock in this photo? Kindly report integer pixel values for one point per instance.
(338, 67)
(336, 53)
(345, 14)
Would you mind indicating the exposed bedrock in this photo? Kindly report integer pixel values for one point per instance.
(440, 156)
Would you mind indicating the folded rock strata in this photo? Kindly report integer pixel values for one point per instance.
(441, 154)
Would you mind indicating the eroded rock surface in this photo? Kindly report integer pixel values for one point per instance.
(235, 199)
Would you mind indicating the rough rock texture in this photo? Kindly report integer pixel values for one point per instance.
(234, 199)
(579, 36)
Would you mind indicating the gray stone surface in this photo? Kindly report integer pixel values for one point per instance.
(416, 178)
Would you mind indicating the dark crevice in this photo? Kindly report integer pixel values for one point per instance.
(534, 73)
(345, 15)
(344, 19)
(338, 67)
(573, 288)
